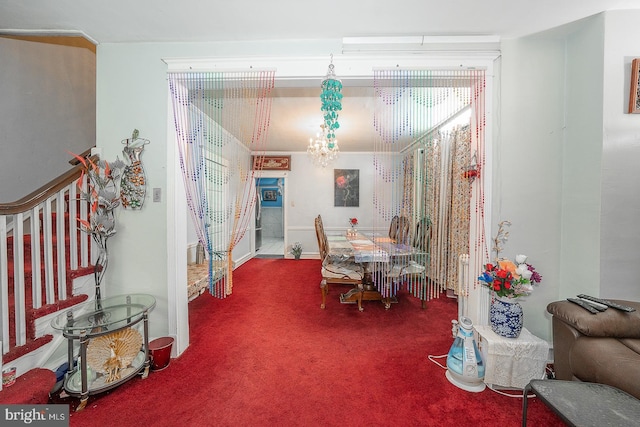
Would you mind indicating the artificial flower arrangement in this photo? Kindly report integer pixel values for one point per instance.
(509, 279)
(102, 194)
(353, 222)
(296, 250)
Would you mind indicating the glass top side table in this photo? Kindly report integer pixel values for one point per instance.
(103, 319)
(585, 404)
(109, 314)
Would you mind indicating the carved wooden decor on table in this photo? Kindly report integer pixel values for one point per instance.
(272, 163)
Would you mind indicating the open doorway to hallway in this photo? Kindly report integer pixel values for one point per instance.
(269, 217)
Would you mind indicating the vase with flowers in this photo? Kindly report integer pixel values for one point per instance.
(353, 222)
(100, 190)
(508, 280)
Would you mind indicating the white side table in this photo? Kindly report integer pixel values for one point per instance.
(511, 362)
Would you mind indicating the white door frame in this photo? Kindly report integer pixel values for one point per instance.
(274, 174)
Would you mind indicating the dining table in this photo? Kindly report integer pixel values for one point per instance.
(384, 260)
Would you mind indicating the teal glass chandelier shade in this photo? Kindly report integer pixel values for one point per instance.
(331, 102)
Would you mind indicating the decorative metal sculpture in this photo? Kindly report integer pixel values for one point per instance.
(103, 196)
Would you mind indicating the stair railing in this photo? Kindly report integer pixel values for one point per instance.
(51, 212)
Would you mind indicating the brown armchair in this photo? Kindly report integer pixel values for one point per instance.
(602, 348)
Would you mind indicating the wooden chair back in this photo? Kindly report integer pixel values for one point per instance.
(422, 235)
(404, 230)
(393, 227)
(321, 237)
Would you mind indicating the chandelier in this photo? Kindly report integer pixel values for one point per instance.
(331, 101)
(324, 148)
(321, 150)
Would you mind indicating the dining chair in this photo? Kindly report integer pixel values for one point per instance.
(422, 236)
(393, 227)
(338, 272)
(416, 271)
(404, 231)
(408, 270)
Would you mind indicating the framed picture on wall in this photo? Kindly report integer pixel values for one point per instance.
(634, 87)
(269, 195)
(346, 187)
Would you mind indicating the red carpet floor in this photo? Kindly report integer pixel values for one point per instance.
(269, 356)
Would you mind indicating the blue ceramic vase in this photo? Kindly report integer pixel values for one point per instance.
(506, 317)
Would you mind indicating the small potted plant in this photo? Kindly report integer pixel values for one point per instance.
(296, 250)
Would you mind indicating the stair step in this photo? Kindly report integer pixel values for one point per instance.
(32, 315)
(31, 345)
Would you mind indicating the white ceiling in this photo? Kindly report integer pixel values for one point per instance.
(122, 21)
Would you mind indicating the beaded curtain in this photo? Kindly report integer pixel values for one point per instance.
(430, 131)
(220, 118)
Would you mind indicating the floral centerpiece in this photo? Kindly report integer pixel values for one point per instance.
(296, 250)
(508, 280)
(353, 222)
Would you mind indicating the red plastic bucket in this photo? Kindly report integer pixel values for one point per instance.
(160, 350)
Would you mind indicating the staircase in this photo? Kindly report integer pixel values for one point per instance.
(44, 260)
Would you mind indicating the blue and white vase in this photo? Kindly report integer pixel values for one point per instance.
(506, 317)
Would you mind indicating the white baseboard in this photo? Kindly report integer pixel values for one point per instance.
(192, 249)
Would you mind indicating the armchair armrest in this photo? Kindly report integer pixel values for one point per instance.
(609, 323)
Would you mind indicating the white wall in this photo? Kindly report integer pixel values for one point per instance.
(564, 100)
(528, 165)
(47, 109)
(132, 93)
(310, 193)
(546, 158)
(582, 161)
(620, 237)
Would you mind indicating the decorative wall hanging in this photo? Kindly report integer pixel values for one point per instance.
(346, 187)
(634, 87)
(133, 186)
(272, 163)
(472, 170)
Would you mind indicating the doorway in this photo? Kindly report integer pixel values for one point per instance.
(299, 71)
(269, 217)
